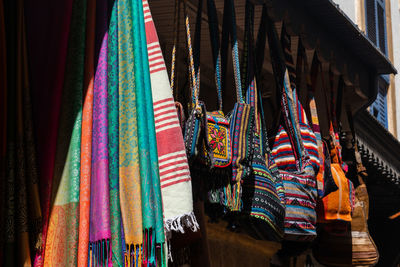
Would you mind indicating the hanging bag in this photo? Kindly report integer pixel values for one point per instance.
(241, 118)
(343, 243)
(325, 182)
(337, 205)
(263, 195)
(299, 180)
(365, 252)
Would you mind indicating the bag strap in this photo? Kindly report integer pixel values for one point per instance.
(361, 170)
(311, 79)
(215, 45)
(174, 86)
(290, 102)
(229, 33)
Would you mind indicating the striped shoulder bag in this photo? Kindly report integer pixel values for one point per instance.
(263, 194)
(299, 180)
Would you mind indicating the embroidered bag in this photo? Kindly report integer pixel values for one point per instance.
(263, 195)
(299, 182)
(241, 118)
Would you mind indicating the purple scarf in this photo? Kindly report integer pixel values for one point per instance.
(100, 232)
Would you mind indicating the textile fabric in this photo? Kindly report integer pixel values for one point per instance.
(175, 180)
(86, 137)
(130, 185)
(113, 140)
(149, 171)
(100, 232)
(62, 238)
(47, 85)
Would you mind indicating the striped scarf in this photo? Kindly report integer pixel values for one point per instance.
(174, 172)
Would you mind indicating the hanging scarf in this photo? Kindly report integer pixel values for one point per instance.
(48, 77)
(150, 181)
(113, 142)
(174, 172)
(10, 217)
(86, 138)
(130, 187)
(3, 127)
(29, 202)
(100, 232)
(62, 237)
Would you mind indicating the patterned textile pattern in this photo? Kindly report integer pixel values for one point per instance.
(282, 150)
(174, 172)
(86, 138)
(100, 232)
(219, 139)
(62, 238)
(130, 189)
(113, 140)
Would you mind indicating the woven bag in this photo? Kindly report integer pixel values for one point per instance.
(300, 184)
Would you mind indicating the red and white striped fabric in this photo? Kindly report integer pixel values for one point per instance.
(176, 188)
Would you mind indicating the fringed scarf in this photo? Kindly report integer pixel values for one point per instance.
(100, 232)
(47, 90)
(150, 182)
(130, 186)
(113, 139)
(62, 237)
(176, 187)
(86, 138)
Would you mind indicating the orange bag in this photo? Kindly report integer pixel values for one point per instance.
(338, 205)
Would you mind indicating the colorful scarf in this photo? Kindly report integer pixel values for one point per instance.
(86, 138)
(176, 187)
(130, 186)
(100, 232)
(47, 90)
(62, 237)
(113, 139)
(149, 172)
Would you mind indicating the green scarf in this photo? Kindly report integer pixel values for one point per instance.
(149, 172)
(113, 142)
(64, 217)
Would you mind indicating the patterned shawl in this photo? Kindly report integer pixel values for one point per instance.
(113, 139)
(150, 181)
(100, 232)
(130, 192)
(86, 137)
(174, 172)
(62, 237)
(47, 90)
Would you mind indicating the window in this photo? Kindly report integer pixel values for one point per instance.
(376, 32)
(376, 23)
(379, 108)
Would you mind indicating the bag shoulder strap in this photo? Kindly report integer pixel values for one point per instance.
(361, 170)
(229, 33)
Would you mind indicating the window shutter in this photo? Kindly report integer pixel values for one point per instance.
(379, 108)
(381, 26)
(370, 10)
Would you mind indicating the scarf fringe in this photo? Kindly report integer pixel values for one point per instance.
(153, 252)
(133, 255)
(100, 253)
(179, 223)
